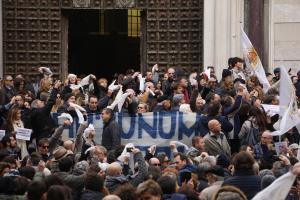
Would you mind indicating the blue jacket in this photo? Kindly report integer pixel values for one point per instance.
(246, 181)
(174, 196)
(187, 168)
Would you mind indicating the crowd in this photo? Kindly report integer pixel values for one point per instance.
(232, 157)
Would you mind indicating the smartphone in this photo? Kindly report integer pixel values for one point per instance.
(186, 176)
(275, 158)
(129, 149)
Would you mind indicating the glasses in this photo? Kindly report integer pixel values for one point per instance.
(140, 108)
(45, 147)
(156, 164)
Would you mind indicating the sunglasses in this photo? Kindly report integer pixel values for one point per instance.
(156, 164)
(45, 147)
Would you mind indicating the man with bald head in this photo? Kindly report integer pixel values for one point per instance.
(154, 162)
(167, 84)
(115, 177)
(215, 141)
(264, 149)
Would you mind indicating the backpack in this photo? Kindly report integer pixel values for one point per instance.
(252, 137)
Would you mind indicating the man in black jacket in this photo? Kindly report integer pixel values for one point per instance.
(111, 137)
(7, 91)
(42, 122)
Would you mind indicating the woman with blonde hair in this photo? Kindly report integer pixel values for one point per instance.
(14, 122)
(46, 84)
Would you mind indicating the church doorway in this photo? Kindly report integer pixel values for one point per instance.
(103, 42)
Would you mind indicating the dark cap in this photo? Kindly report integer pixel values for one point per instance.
(277, 70)
(216, 170)
(225, 73)
(242, 81)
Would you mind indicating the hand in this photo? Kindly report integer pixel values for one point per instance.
(285, 160)
(102, 174)
(135, 74)
(41, 166)
(188, 184)
(93, 76)
(126, 160)
(129, 99)
(296, 169)
(155, 68)
(67, 122)
(57, 84)
(152, 149)
(240, 93)
(13, 100)
(204, 155)
(135, 151)
(109, 93)
(172, 145)
(27, 105)
(147, 89)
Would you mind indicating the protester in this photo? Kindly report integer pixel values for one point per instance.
(76, 148)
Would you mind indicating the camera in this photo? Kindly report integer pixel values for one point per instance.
(129, 149)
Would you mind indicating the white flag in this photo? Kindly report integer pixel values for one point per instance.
(285, 90)
(291, 115)
(253, 62)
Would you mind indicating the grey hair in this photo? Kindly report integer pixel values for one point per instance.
(256, 168)
(210, 159)
(34, 103)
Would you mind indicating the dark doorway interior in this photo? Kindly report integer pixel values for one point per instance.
(99, 43)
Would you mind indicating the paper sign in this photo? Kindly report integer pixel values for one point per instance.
(2, 134)
(281, 148)
(23, 134)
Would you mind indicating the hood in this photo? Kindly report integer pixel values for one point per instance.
(115, 179)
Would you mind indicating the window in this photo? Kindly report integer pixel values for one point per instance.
(134, 23)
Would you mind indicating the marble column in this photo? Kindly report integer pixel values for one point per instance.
(222, 22)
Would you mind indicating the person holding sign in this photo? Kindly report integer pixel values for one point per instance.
(14, 123)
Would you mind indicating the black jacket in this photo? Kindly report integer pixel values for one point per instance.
(6, 95)
(41, 120)
(111, 137)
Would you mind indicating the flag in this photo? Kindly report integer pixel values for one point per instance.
(253, 62)
(286, 88)
(291, 115)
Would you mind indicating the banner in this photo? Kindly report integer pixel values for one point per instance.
(144, 130)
